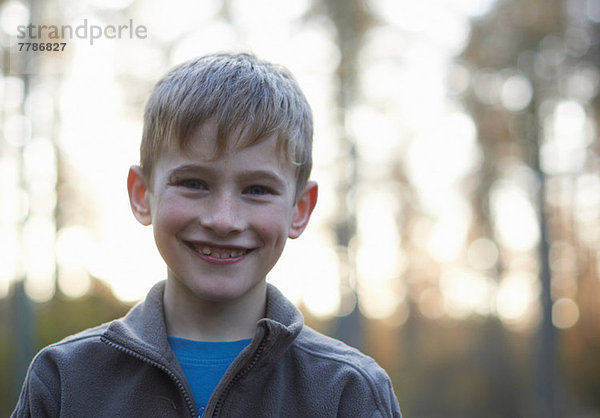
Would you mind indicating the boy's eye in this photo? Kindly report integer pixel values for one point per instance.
(192, 184)
(257, 190)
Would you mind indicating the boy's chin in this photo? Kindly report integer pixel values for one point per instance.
(221, 291)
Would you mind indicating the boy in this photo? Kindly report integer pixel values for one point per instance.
(223, 180)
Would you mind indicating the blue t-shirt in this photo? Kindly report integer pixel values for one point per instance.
(204, 364)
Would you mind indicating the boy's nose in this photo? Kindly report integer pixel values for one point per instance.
(221, 216)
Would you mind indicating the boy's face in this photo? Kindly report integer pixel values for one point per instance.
(221, 224)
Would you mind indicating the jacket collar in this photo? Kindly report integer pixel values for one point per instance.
(143, 329)
(282, 322)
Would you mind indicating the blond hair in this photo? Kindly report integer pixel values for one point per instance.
(248, 99)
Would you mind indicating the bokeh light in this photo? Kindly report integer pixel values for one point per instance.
(565, 313)
(12, 14)
(516, 301)
(514, 217)
(516, 93)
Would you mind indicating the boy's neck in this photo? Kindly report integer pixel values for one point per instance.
(188, 316)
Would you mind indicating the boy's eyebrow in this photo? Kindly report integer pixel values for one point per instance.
(263, 174)
(186, 169)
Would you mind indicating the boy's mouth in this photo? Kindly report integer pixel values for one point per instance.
(217, 252)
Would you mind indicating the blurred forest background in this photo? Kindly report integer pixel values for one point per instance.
(457, 236)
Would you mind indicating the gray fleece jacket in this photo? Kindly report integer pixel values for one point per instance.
(126, 369)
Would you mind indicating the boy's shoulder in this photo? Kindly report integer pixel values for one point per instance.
(332, 367)
(321, 345)
(84, 335)
(318, 353)
(73, 344)
(324, 349)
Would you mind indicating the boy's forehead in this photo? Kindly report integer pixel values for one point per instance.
(206, 142)
(205, 145)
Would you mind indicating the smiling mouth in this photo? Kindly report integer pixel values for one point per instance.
(218, 252)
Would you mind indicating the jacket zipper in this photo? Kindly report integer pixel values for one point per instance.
(240, 374)
(172, 375)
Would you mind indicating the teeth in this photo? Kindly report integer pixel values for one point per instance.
(220, 253)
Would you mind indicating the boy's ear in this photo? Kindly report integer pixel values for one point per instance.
(304, 207)
(139, 195)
